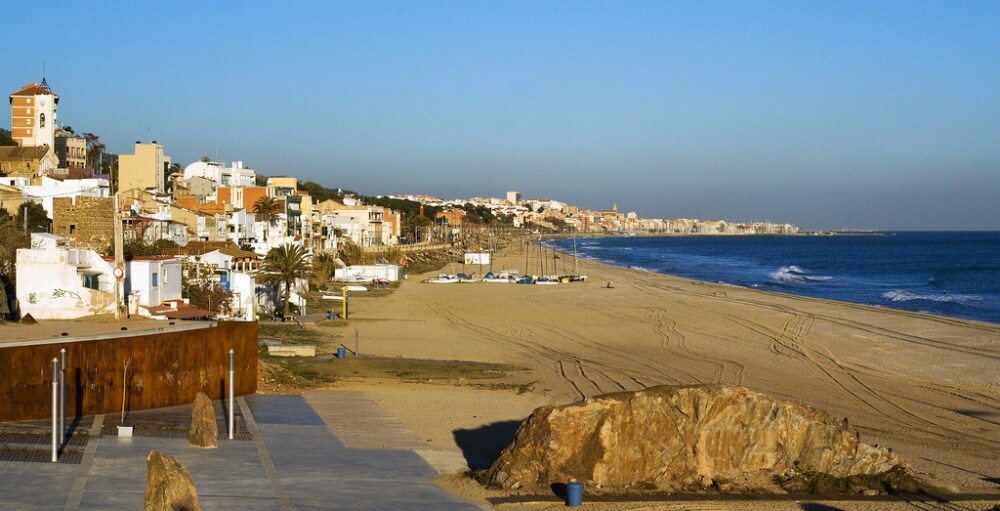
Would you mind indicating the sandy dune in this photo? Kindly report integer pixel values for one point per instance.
(926, 386)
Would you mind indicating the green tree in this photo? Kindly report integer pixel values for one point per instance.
(207, 295)
(352, 253)
(5, 138)
(94, 150)
(324, 267)
(284, 264)
(267, 208)
(38, 219)
(12, 237)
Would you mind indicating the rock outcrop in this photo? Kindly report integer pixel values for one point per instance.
(674, 438)
(204, 431)
(169, 486)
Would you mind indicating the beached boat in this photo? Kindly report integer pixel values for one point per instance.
(504, 277)
(467, 278)
(443, 279)
(526, 280)
(546, 281)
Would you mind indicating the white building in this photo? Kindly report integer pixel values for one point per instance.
(234, 270)
(370, 272)
(235, 176)
(48, 189)
(150, 281)
(64, 283)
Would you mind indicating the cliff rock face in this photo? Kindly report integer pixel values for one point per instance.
(169, 486)
(676, 437)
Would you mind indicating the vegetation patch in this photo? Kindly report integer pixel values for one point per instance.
(304, 372)
(323, 337)
(897, 481)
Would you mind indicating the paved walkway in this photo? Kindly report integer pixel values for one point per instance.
(295, 461)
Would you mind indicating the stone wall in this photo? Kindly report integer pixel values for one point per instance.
(88, 221)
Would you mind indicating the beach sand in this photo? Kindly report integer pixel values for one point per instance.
(926, 386)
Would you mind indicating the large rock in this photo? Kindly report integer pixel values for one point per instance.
(678, 437)
(204, 431)
(169, 486)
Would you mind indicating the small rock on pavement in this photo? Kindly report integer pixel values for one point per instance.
(169, 486)
(204, 431)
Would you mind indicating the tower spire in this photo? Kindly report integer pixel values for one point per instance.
(44, 84)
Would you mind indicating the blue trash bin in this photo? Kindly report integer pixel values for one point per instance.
(341, 352)
(574, 494)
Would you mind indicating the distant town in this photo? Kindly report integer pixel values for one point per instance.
(215, 222)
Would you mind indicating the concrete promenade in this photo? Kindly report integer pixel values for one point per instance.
(294, 461)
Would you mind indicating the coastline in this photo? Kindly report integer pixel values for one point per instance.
(927, 386)
(766, 289)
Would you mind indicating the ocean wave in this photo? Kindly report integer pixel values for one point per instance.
(902, 295)
(795, 275)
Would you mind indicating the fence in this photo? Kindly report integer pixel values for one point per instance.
(166, 369)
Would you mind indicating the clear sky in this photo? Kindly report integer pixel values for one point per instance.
(824, 114)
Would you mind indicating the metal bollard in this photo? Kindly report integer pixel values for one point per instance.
(62, 394)
(55, 410)
(232, 372)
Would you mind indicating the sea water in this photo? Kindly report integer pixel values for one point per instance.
(953, 274)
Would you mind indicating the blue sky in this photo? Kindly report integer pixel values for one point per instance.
(828, 115)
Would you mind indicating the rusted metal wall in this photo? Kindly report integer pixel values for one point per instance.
(167, 369)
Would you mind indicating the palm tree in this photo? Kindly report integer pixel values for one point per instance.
(284, 264)
(268, 209)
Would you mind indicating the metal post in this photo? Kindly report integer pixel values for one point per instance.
(62, 394)
(55, 410)
(357, 347)
(232, 401)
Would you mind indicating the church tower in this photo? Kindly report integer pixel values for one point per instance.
(33, 115)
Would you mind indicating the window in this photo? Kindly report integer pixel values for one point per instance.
(156, 280)
(90, 281)
(72, 228)
(41, 120)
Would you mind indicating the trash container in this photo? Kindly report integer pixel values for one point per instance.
(341, 352)
(574, 493)
(330, 315)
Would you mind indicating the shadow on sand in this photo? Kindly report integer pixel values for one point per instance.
(812, 506)
(482, 446)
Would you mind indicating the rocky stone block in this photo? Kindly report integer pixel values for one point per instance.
(204, 430)
(169, 486)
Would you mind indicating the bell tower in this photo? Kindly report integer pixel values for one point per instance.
(33, 115)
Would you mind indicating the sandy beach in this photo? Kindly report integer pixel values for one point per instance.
(926, 386)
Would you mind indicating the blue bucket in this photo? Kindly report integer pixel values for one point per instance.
(341, 352)
(574, 494)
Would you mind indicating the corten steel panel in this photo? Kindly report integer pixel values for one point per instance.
(167, 369)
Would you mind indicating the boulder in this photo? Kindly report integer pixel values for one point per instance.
(169, 486)
(204, 431)
(674, 438)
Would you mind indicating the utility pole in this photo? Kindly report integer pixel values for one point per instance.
(119, 259)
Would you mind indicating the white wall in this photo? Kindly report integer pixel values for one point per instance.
(139, 281)
(50, 286)
(52, 188)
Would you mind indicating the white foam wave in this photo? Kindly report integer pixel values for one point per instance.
(902, 295)
(795, 275)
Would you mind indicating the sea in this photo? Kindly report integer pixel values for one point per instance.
(954, 274)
